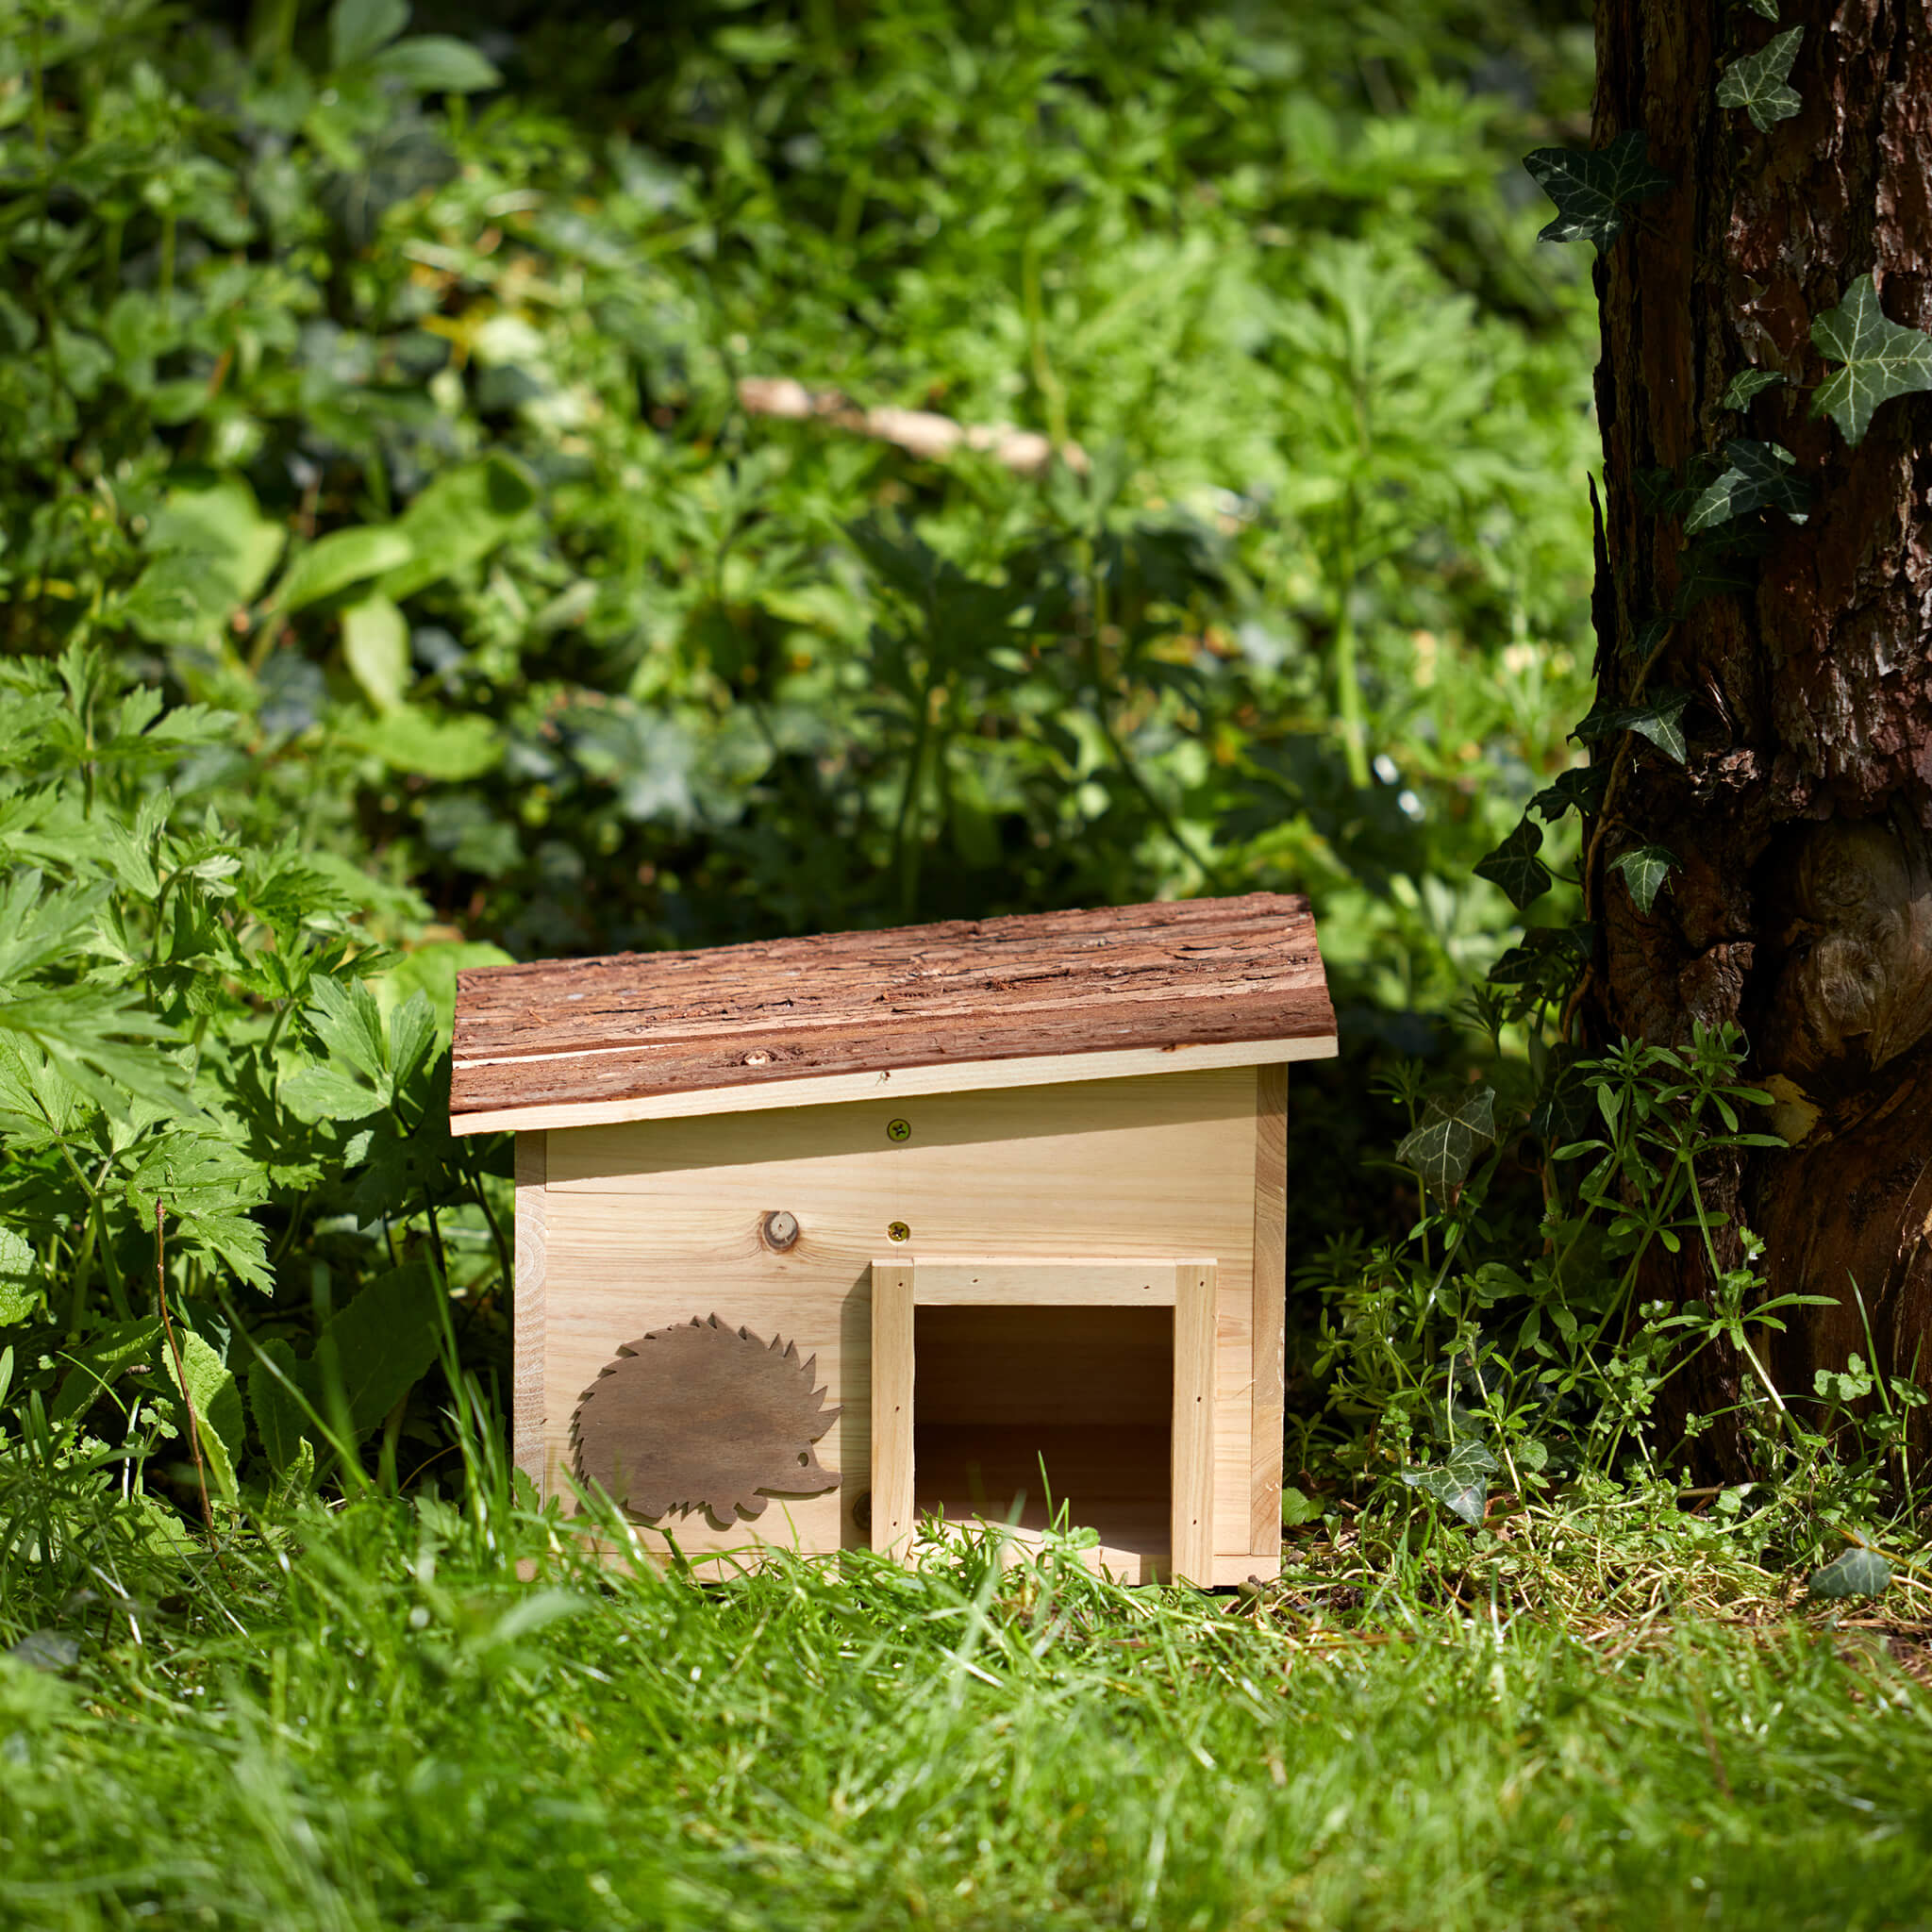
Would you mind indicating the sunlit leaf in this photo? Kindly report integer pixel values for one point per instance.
(1858, 1572)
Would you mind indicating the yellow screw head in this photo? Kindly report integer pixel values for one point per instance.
(898, 1130)
(898, 1231)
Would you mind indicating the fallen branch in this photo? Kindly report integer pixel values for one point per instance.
(918, 432)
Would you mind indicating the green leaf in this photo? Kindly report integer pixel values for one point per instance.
(1459, 1483)
(412, 739)
(436, 63)
(324, 1093)
(1746, 384)
(379, 1347)
(1514, 864)
(1594, 189)
(357, 28)
(1766, 9)
(1758, 476)
(20, 1279)
(221, 525)
(97, 1362)
(278, 1415)
(206, 1186)
(1756, 82)
(1858, 1572)
(334, 562)
(1296, 1508)
(1645, 868)
(432, 971)
(1881, 359)
(1444, 1147)
(1660, 720)
(376, 647)
(460, 517)
(204, 1379)
(1580, 790)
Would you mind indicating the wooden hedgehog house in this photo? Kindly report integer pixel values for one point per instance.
(823, 1239)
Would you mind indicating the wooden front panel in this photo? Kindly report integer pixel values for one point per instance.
(655, 1222)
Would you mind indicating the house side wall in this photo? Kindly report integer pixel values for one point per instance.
(653, 1222)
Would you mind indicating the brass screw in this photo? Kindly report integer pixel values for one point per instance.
(898, 1231)
(898, 1130)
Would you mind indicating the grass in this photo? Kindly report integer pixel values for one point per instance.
(401, 1713)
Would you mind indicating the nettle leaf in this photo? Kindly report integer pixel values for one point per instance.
(1746, 384)
(1515, 867)
(1758, 82)
(1594, 189)
(1660, 721)
(1444, 1147)
(1858, 1572)
(1756, 475)
(1645, 868)
(1881, 359)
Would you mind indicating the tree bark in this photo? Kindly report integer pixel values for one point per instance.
(1802, 908)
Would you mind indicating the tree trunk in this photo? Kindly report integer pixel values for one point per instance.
(1802, 904)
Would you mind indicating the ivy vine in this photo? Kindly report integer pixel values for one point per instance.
(1729, 504)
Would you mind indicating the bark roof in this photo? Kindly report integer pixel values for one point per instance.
(1197, 972)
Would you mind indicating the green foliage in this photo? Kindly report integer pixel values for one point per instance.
(1881, 359)
(396, 576)
(1748, 383)
(1645, 869)
(1595, 189)
(1756, 475)
(1759, 82)
(198, 1088)
(1858, 1572)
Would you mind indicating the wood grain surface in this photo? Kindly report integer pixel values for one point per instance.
(1198, 971)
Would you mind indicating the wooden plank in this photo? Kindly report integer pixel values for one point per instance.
(660, 1222)
(892, 1518)
(528, 1301)
(895, 1084)
(939, 1280)
(1192, 1543)
(1270, 1303)
(1193, 972)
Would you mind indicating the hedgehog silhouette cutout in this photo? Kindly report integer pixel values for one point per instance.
(704, 1417)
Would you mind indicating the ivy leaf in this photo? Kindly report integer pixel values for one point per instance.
(1858, 1572)
(1756, 477)
(1444, 1147)
(1595, 188)
(1881, 359)
(1579, 790)
(1766, 9)
(1713, 566)
(1746, 384)
(1458, 1483)
(1644, 868)
(1759, 82)
(1660, 721)
(1515, 867)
